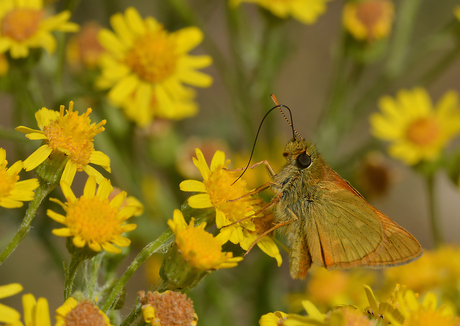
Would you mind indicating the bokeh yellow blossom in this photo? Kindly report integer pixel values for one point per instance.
(84, 49)
(4, 65)
(368, 19)
(305, 11)
(70, 134)
(24, 25)
(198, 247)
(9, 315)
(12, 191)
(84, 312)
(235, 210)
(416, 130)
(92, 219)
(146, 67)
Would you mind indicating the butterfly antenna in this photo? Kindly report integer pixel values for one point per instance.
(290, 122)
(278, 106)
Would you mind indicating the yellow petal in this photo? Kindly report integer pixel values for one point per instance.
(200, 201)
(217, 159)
(63, 232)
(192, 186)
(90, 187)
(37, 157)
(99, 158)
(105, 188)
(55, 216)
(69, 172)
(9, 290)
(28, 304)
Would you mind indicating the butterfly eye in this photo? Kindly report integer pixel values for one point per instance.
(303, 160)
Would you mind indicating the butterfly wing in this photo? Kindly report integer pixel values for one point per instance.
(342, 230)
(345, 231)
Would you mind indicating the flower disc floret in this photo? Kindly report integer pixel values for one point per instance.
(198, 247)
(92, 219)
(84, 312)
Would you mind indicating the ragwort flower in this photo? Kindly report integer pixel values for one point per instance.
(368, 19)
(12, 191)
(84, 312)
(418, 131)
(84, 49)
(305, 11)
(147, 67)
(23, 25)
(235, 210)
(9, 315)
(423, 313)
(198, 247)
(94, 220)
(70, 134)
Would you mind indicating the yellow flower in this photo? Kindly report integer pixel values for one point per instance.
(9, 315)
(36, 313)
(368, 19)
(199, 247)
(436, 270)
(305, 11)
(70, 134)
(149, 66)
(12, 191)
(23, 25)
(84, 312)
(217, 190)
(273, 319)
(92, 219)
(167, 308)
(84, 48)
(424, 313)
(416, 129)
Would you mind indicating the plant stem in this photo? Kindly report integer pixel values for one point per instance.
(70, 275)
(162, 242)
(434, 216)
(41, 193)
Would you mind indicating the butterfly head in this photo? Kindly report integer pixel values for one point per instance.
(300, 152)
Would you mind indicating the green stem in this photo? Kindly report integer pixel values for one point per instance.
(93, 266)
(445, 62)
(159, 244)
(407, 13)
(137, 310)
(41, 193)
(70, 275)
(438, 238)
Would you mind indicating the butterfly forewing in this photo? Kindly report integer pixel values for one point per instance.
(341, 228)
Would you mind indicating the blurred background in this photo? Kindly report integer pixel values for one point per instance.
(301, 72)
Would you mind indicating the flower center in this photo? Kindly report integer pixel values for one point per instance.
(84, 314)
(20, 24)
(200, 248)
(93, 219)
(73, 135)
(369, 13)
(423, 131)
(7, 181)
(153, 57)
(430, 317)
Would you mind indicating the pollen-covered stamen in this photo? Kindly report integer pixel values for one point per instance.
(85, 313)
(93, 220)
(73, 135)
(20, 24)
(423, 131)
(7, 181)
(153, 57)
